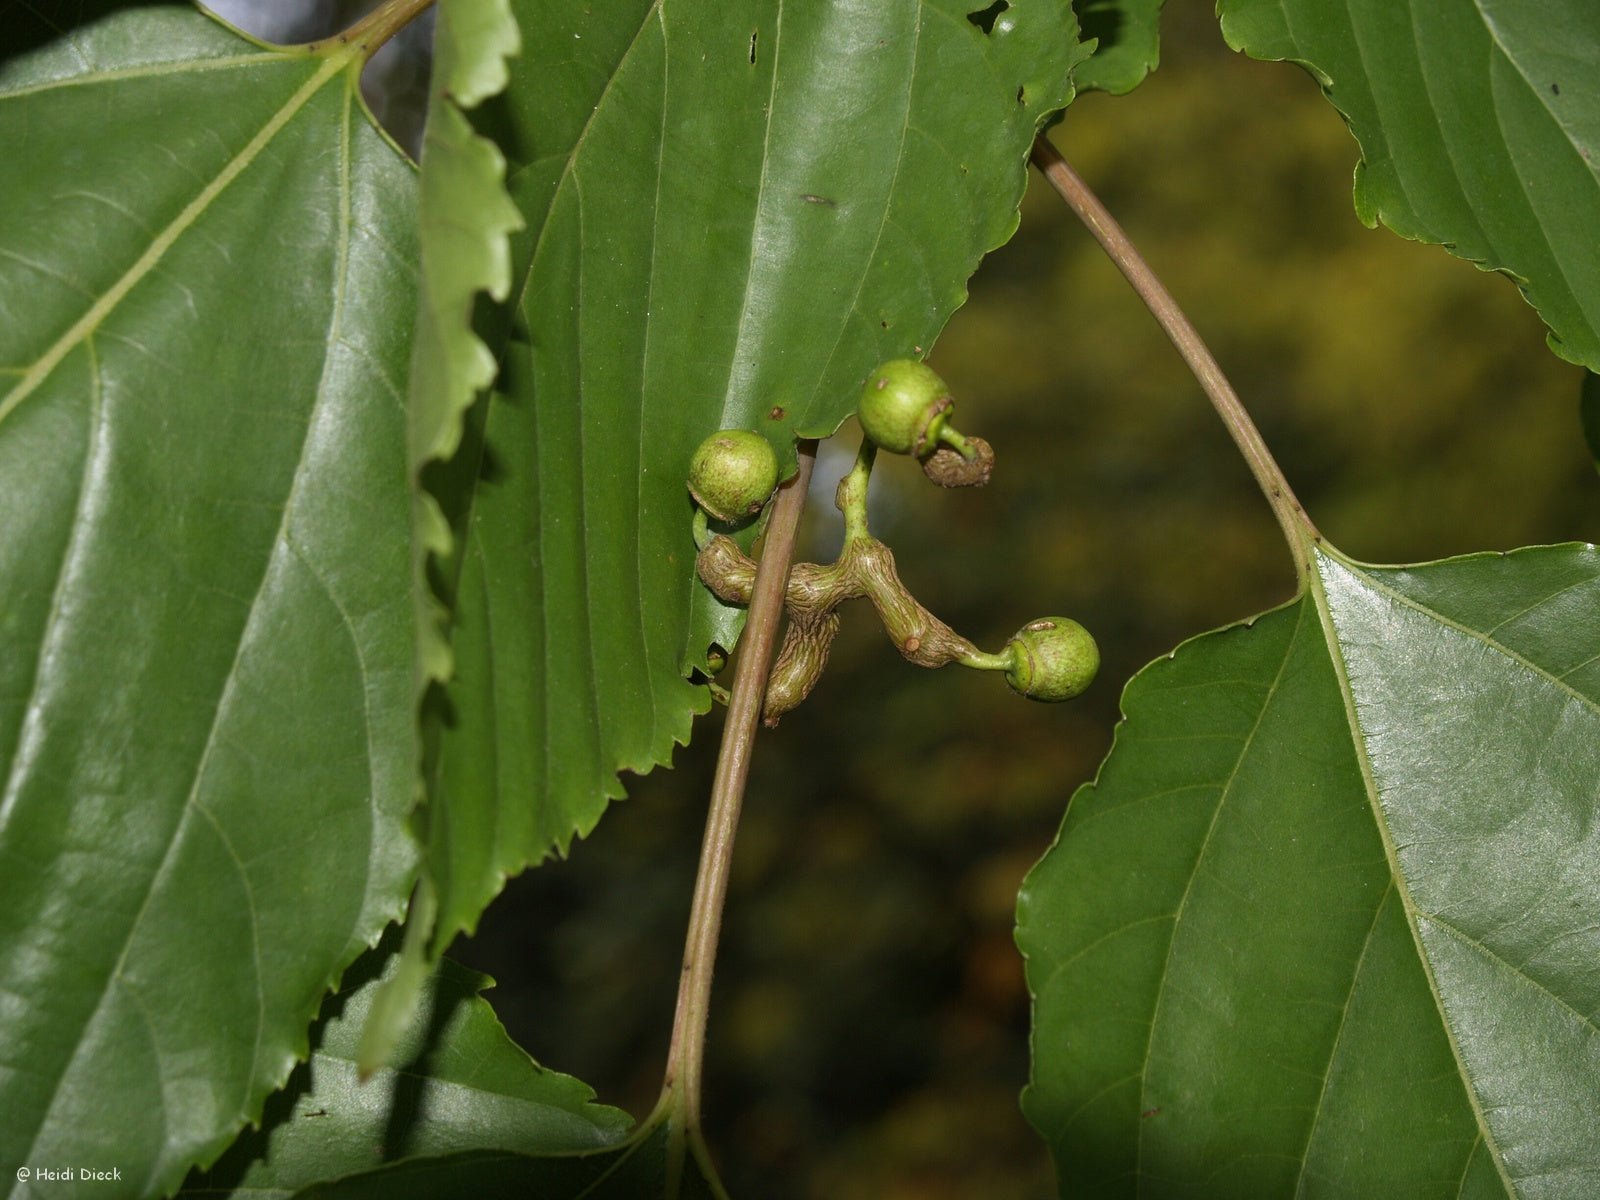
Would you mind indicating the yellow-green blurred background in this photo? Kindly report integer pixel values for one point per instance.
(869, 1028)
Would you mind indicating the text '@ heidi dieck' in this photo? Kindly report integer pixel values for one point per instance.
(69, 1175)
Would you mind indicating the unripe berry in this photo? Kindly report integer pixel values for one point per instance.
(903, 407)
(732, 474)
(1052, 658)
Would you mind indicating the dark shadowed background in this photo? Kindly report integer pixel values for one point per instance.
(869, 1030)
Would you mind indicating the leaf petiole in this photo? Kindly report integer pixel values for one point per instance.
(368, 35)
(1298, 531)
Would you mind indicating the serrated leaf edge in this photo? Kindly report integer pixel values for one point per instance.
(462, 82)
(1371, 212)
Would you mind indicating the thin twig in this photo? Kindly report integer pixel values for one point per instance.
(681, 1087)
(1297, 528)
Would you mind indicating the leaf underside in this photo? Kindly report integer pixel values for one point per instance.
(730, 221)
(1328, 921)
(1479, 126)
(205, 635)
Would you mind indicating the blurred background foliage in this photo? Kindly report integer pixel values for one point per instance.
(869, 1030)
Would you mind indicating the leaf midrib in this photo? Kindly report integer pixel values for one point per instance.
(97, 312)
(517, 295)
(1400, 881)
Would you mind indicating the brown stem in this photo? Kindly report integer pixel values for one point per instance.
(681, 1087)
(377, 27)
(1297, 528)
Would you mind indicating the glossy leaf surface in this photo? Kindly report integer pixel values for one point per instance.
(460, 1084)
(1479, 128)
(1327, 921)
(732, 217)
(206, 286)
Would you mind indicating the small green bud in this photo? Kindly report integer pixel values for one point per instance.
(733, 474)
(903, 407)
(1052, 658)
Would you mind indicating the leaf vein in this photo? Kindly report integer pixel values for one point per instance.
(1338, 1038)
(113, 296)
(871, 257)
(1166, 968)
(189, 67)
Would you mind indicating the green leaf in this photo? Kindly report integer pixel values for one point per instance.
(465, 218)
(1327, 921)
(1127, 44)
(464, 1085)
(1479, 128)
(205, 633)
(659, 1161)
(730, 222)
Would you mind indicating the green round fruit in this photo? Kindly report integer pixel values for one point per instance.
(1052, 658)
(733, 474)
(903, 407)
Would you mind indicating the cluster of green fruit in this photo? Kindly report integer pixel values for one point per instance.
(905, 408)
